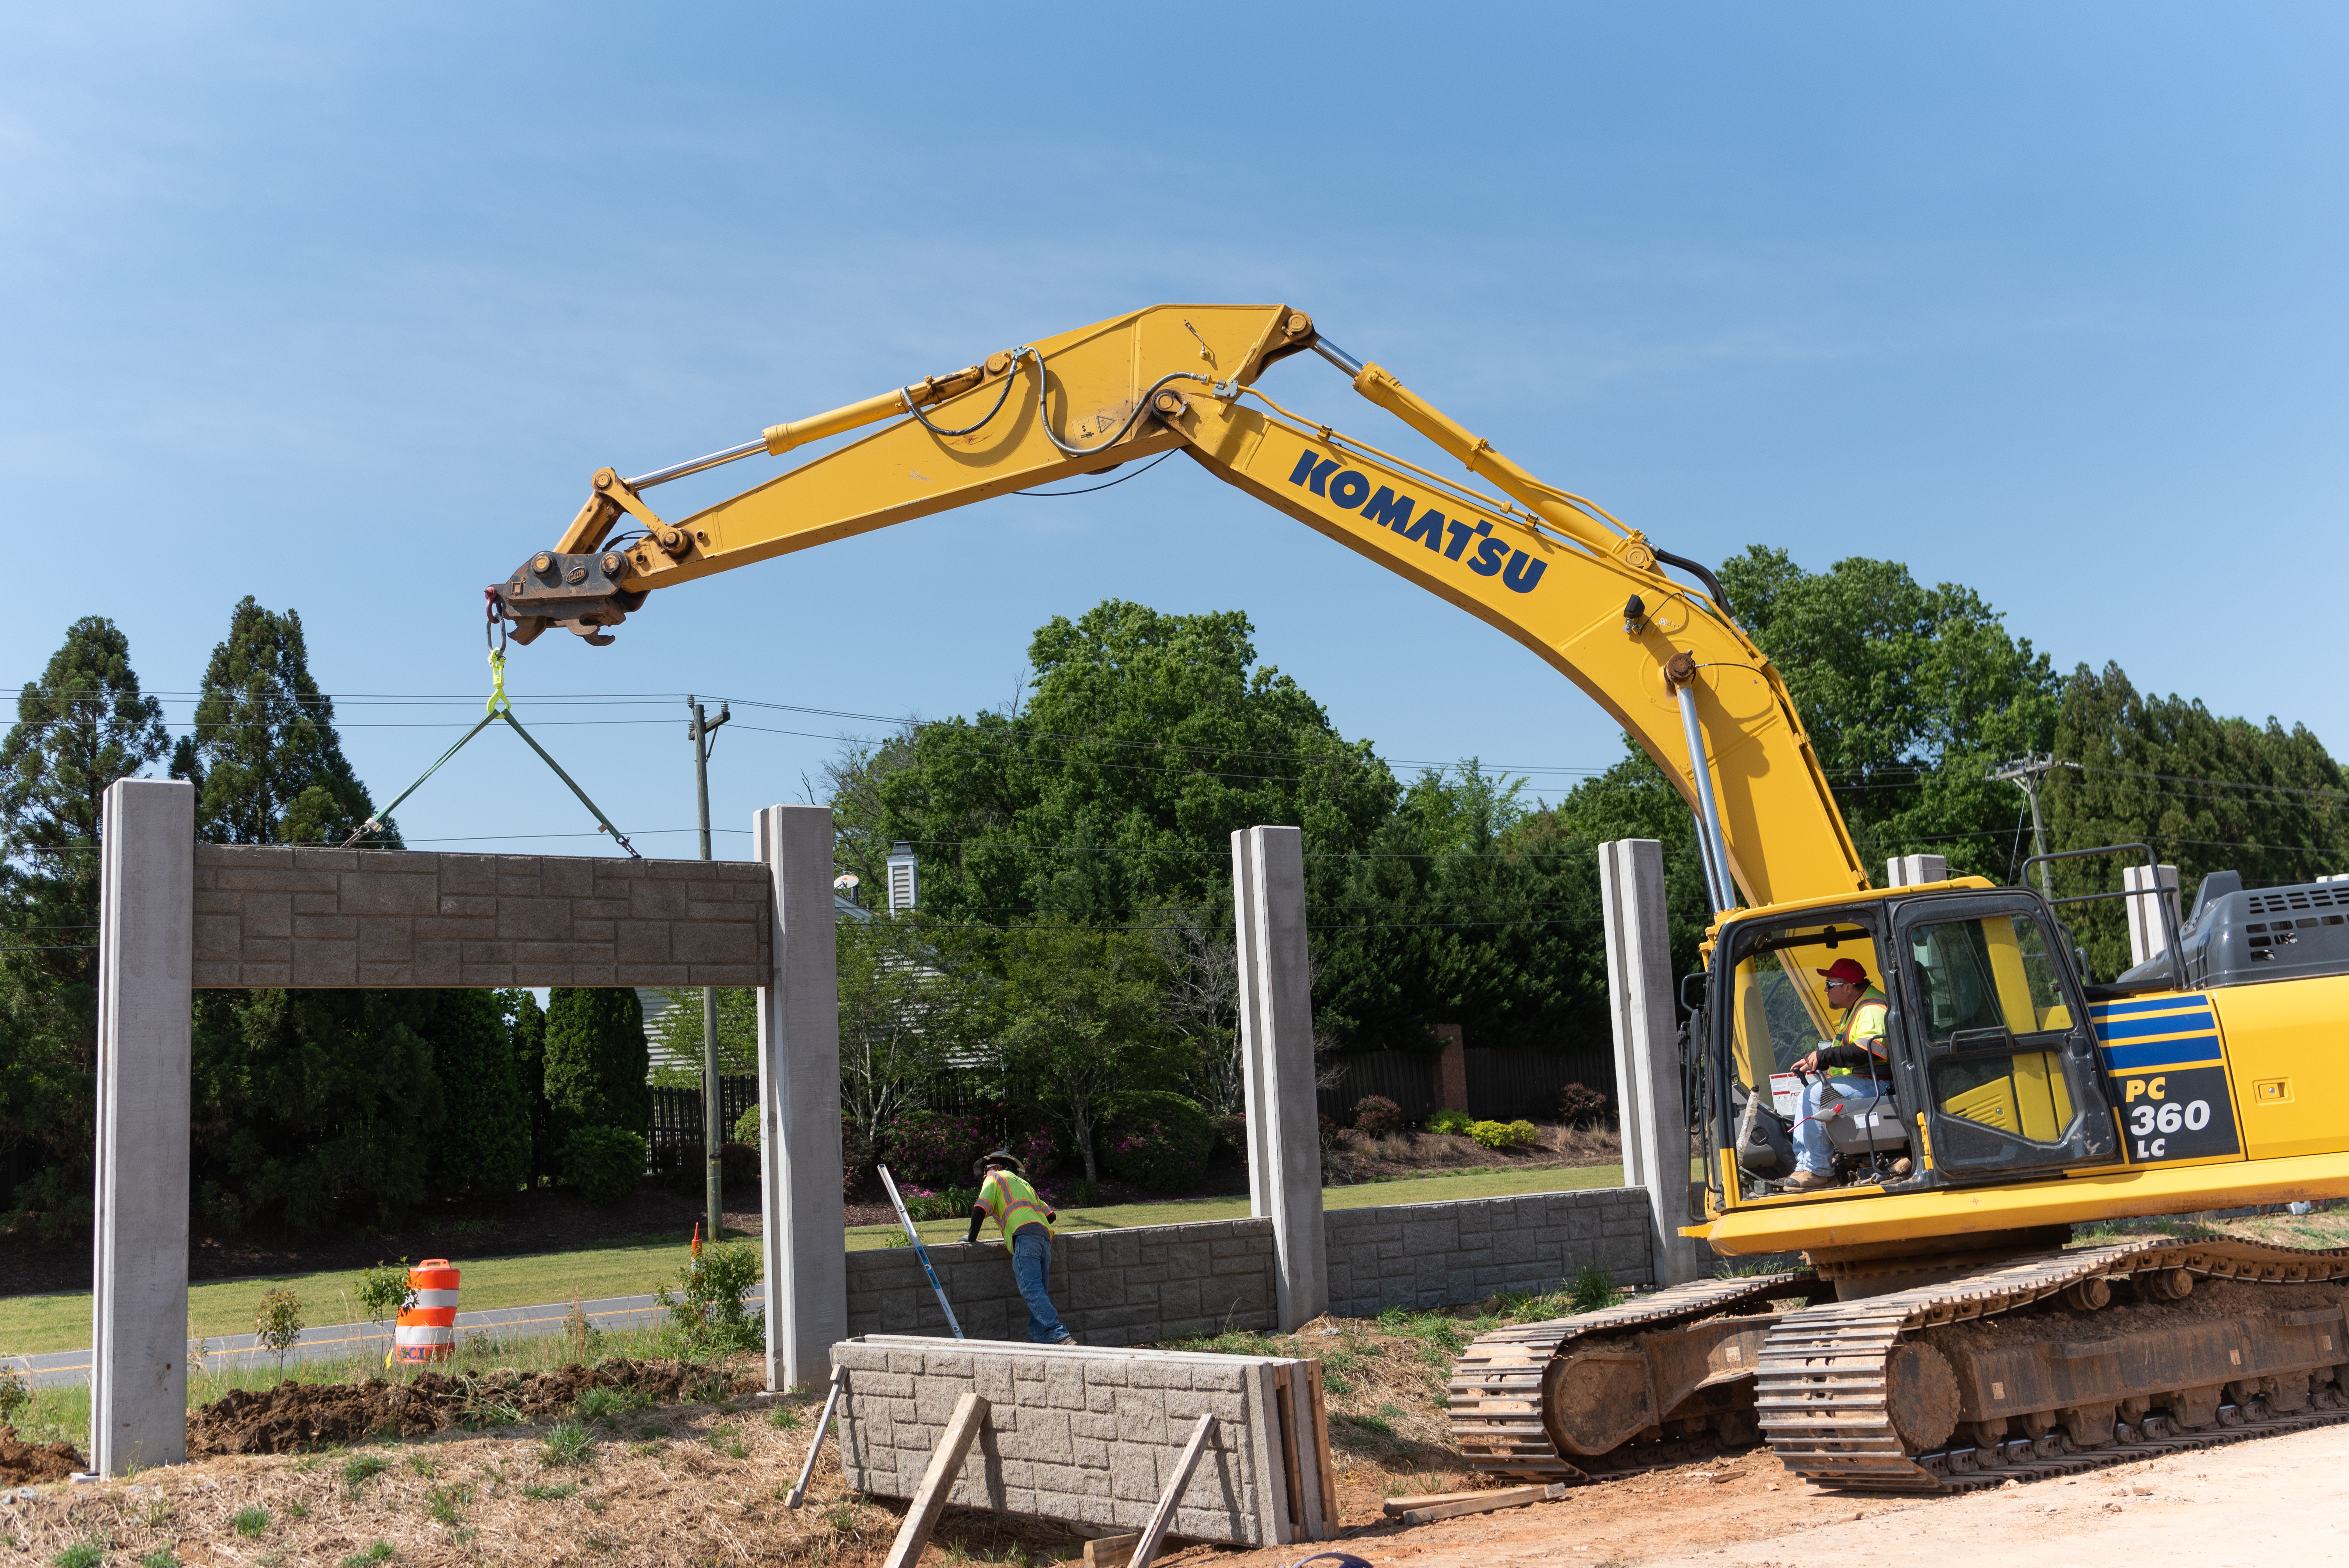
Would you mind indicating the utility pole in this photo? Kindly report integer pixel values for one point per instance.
(701, 732)
(2026, 770)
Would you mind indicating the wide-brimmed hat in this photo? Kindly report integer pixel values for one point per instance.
(1000, 1157)
(1846, 970)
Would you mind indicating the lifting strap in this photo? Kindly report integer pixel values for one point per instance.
(499, 707)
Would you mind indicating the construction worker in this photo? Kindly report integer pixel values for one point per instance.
(1026, 1221)
(1854, 1067)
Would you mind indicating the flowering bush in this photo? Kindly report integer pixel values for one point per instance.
(1376, 1116)
(1450, 1121)
(1158, 1141)
(1040, 1151)
(1502, 1136)
(1580, 1105)
(934, 1151)
(1231, 1137)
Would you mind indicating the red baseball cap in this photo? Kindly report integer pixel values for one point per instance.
(1846, 970)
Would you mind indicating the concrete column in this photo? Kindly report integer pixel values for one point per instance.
(1915, 871)
(2148, 933)
(1451, 1069)
(139, 1328)
(1276, 1043)
(806, 1238)
(1640, 1000)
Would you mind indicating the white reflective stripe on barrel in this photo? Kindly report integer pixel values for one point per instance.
(425, 1298)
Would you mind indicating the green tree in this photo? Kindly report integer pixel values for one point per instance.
(484, 1143)
(1145, 739)
(914, 997)
(526, 1025)
(1911, 695)
(312, 1108)
(267, 763)
(679, 1030)
(1083, 1021)
(596, 1060)
(79, 727)
(2208, 793)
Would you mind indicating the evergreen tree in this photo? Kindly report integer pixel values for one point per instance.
(484, 1142)
(596, 1061)
(312, 1109)
(79, 727)
(267, 763)
(526, 1021)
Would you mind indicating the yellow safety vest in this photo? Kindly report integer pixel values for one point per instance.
(1863, 1026)
(1011, 1204)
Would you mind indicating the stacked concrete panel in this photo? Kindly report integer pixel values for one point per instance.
(1091, 1436)
(267, 915)
(1421, 1255)
(1138, 1287)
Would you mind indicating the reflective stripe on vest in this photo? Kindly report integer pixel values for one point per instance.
(1010, 1202)
(1863, 1026)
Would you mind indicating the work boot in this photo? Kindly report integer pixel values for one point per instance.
(1807, 1181)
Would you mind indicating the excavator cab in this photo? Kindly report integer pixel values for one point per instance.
(1993, 1069)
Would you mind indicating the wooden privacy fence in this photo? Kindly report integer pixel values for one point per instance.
(1504, 1081)
(676, 1115)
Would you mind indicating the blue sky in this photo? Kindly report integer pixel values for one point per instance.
(341, 309)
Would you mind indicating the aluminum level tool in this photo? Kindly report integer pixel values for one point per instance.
(920, 1250)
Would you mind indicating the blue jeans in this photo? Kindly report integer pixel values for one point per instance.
(1813, 1152)
(1031, 1261)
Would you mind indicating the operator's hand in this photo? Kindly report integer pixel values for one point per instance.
(1804, 1064)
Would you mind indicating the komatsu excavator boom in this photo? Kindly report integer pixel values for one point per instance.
(2017, 1099)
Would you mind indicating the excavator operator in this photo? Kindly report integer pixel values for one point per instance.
(1858, 1049)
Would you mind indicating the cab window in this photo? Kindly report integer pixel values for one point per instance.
(1987, 990)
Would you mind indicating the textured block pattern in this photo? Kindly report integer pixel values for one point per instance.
(1072, 1434)
(1421, 1255)
(1138, 1286)
(267, 915)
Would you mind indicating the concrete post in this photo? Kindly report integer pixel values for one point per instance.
(1639, 999)
(1915, 871)
(1276, 1043)
(806, 1236)
(139, 1328)
(2148, 933)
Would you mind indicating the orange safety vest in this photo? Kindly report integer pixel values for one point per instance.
(1011, 1204)
(1863, 1026)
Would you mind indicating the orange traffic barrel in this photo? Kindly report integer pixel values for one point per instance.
(427, 1331)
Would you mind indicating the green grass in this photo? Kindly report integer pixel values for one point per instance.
(631, 1266)
(1502, 1182)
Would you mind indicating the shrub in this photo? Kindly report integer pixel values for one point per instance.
(934, 1151)
(706, 1313)
(1376, 1116)
(739, 1163)
(1450, 1121)
(1158, 1141)
(1040, 1151)
(1503, 1136)
(1579, 1105)
(1231, 1137)
(604, 1162)
(15, 1392)
(746, 1127)
(953, 1203)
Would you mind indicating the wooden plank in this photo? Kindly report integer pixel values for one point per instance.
(1111, 1549)
(1162, 1518)
(831, 1403)
(1398, 1506)
(1322, 1463)
(1292, 1467)
(930, 1497)
(1486, 1502)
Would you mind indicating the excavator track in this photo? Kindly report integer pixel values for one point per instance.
(1494, 1395)
(1824, 1384)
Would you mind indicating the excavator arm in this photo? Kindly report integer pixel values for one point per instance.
(1550, 569)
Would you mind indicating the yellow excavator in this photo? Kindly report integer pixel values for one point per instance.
(1946, 1329)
